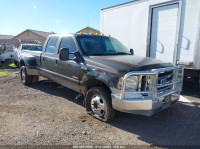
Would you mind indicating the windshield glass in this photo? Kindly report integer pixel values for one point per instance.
(32, 47)
(100, 45)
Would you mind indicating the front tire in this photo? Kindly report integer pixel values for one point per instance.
(98, 101)
(25, 78)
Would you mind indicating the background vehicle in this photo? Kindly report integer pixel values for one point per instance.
(106, 73)
(7, 52)
(28, 48)
(16, 57)
(168, 30)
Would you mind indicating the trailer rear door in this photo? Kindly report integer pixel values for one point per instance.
(163, 32)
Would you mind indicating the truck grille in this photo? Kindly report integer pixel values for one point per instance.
(156, 83)
(165, 80)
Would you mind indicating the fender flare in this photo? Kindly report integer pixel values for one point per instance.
(30, 63)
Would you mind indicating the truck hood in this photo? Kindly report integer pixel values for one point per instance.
(122, 64)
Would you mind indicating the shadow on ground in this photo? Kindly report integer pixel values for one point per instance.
(55, 89)
(178, 125)
(7, 65)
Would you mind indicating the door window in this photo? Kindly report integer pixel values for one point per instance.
(68, 42)
(51, 45)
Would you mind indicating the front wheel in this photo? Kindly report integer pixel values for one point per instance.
(25, 78)
(98, 101)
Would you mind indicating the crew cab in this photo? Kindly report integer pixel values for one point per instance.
(108, 75)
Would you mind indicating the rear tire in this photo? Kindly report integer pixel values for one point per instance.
(26, 79)
(98, 101)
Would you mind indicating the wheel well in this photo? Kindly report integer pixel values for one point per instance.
(93, 82)
(22, 63)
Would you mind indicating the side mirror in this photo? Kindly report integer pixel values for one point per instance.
(132, 51)
(64, 55)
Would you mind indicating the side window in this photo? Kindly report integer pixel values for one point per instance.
(109, 46)
(68, 42)
(51, 45)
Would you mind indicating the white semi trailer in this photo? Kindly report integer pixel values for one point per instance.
(168, 30)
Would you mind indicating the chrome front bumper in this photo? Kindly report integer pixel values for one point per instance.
(146, 107)
(153, 99)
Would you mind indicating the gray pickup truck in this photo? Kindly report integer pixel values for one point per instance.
(108, 75)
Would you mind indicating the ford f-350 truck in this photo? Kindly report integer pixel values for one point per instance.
(108, 75)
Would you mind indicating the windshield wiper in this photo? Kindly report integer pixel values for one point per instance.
(122, 53)
(98, 54)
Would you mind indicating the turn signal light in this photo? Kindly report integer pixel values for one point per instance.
(91, 33)
(109, 36)
(102, 34)
(81, 33)
(97, 33)
(188, 66)
(120, 83)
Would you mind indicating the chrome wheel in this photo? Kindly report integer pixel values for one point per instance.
(97, 106)
(98, 103)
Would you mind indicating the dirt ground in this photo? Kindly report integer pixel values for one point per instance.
(48, 114)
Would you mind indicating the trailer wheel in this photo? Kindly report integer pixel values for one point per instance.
(98, 100)
(26, 79)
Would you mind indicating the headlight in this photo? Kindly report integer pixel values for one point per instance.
(131, 84)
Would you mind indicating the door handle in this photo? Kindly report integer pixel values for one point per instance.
(56, 61)
(43, 58)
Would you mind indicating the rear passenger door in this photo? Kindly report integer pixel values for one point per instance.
(69, 70)
(48, 60)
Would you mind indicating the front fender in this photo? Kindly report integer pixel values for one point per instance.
(107, 78)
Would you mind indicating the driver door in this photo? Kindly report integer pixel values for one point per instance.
(68, 70)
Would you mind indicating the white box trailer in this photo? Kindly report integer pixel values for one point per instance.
(168, 30)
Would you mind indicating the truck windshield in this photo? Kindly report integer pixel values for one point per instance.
(101, 45)
(32, 47)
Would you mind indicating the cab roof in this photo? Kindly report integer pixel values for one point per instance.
(77, 34)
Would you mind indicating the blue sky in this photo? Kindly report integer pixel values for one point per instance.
(60, 16)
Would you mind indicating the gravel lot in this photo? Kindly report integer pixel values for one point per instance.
(48, 114)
